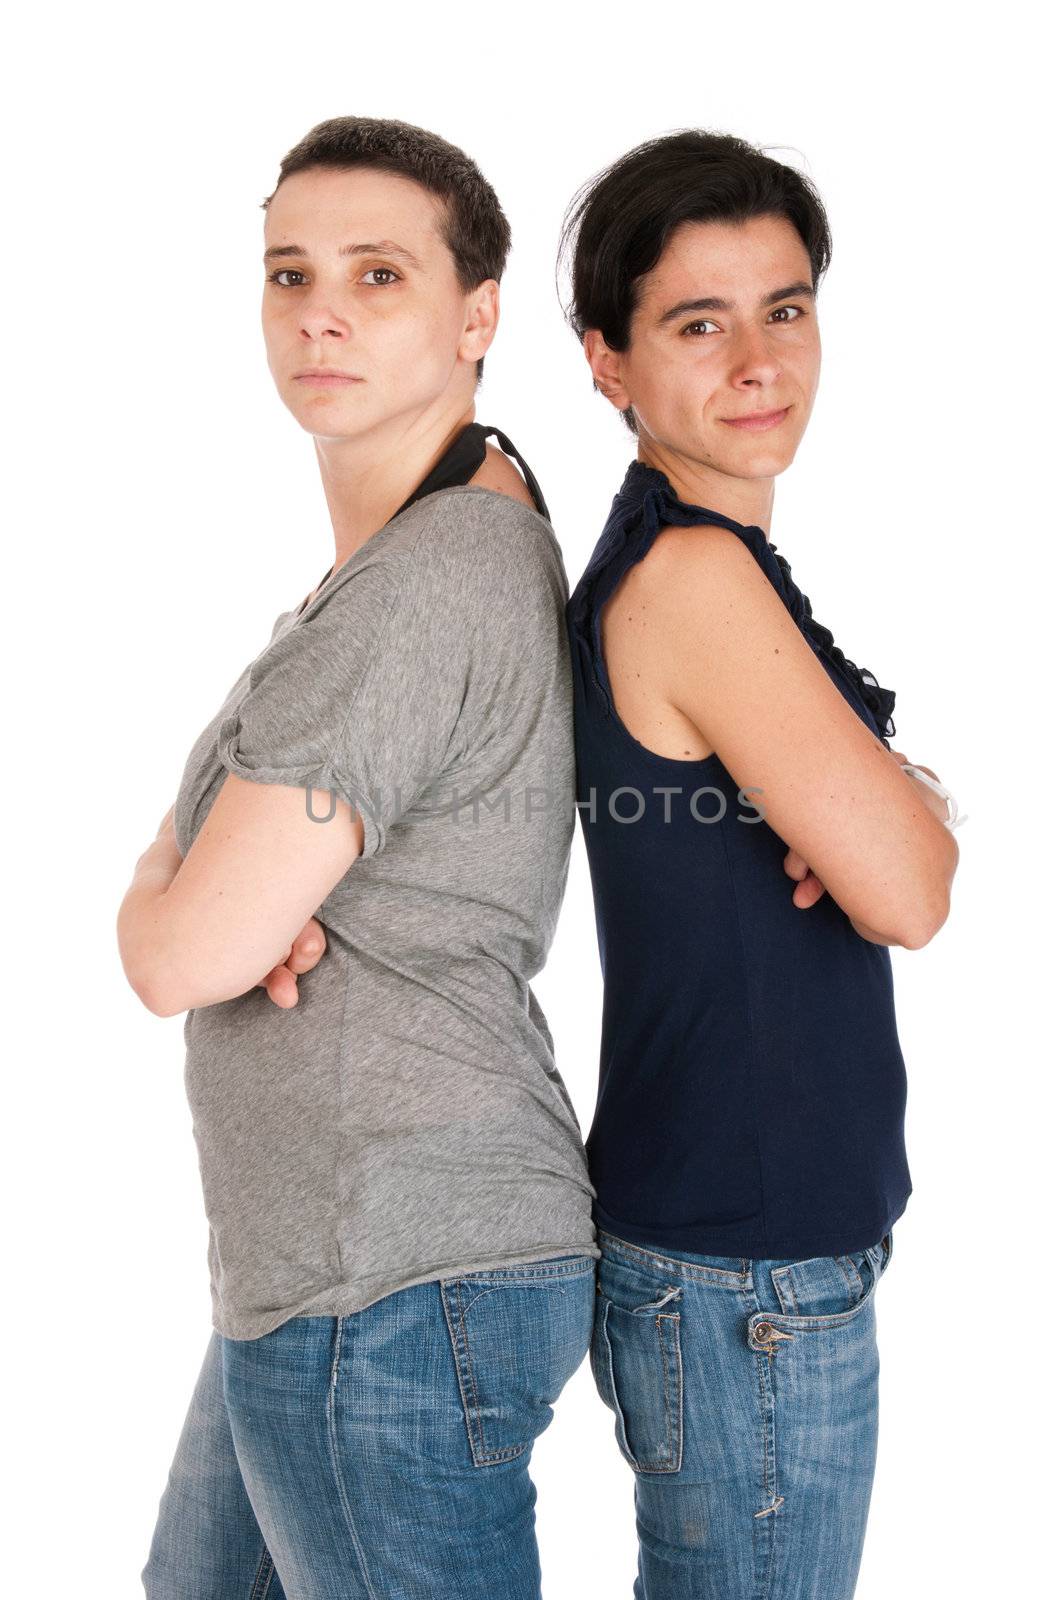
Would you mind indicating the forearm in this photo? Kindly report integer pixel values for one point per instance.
(948, 855)
(935, 803)
(938, 806)
(142, 915)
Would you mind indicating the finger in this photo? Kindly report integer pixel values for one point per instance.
(794, 865)
(808, 891)
(308, 948)
(282, 987)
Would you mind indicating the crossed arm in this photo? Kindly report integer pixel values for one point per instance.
(161, 863)
(809, 888)
(732, 660)
(237, 911)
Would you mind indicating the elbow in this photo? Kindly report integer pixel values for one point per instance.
(165, 1006)
(155, 978)
(157, 995)
(919, 935)
(149, 976)
(928, 901)
(174, 988)
(141, 980)
(140, 952)
(935, 900)
(170, 972)
(926, 918)
(159, 1008)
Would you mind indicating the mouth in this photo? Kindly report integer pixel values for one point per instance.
(757, 421)
(325, 377)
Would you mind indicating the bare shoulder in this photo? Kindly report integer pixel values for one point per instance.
(698, 595)
(650, 634)
(501, 474)
(686, 566)
(690, 573)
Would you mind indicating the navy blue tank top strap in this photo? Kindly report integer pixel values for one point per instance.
(646, 502)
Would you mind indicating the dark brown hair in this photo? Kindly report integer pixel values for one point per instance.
(475, 229)
(622, 218)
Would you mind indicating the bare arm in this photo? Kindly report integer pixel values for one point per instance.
(196, 931)
(934, 803)
(736, 664)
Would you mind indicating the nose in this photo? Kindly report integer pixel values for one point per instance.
(754, 360)
(320, 320)
(323, 326)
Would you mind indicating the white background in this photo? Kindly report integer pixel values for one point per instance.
(164, 506)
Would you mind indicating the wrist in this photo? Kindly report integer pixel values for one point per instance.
(935, 796)
(159, 864)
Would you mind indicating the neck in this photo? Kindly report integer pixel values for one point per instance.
(745, 500)
(367, 479)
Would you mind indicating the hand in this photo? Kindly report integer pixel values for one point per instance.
(280, 984)
(809, 889)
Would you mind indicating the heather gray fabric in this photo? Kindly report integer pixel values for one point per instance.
(406, 1120)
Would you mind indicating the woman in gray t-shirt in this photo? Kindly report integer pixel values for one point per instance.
(401, 1248)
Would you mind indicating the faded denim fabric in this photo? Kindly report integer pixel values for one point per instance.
(377, 1456)
(745, 1400)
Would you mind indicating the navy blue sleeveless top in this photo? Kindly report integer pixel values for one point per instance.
(751, 1089)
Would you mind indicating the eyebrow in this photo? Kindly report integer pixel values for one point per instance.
(714, 303)
(382, 247)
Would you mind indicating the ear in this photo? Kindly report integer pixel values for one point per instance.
(604, 363)
(481, 320)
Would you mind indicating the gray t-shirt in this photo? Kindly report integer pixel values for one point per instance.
(404, 1121)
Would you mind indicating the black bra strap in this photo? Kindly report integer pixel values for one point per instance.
(464, 457)
(457, 465)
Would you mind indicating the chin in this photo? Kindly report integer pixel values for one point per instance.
(331, 422)
(760, 463)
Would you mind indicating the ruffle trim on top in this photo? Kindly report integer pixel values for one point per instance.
(650, 503)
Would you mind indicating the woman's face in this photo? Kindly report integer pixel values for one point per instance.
(725, 326)
(358, 278)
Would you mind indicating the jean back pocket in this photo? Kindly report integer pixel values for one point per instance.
(517, 1335)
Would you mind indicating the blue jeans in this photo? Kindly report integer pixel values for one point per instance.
(745, 1398)
(379, 1455)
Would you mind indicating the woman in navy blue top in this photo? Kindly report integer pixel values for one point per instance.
(752, 1085)
(755, 847)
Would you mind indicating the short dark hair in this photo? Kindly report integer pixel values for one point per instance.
(623, 217)
(475, 228)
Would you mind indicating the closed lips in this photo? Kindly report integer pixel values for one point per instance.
(328, 372)
(756, 419)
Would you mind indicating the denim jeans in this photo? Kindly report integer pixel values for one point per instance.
(378, 1455)
(745, 1398)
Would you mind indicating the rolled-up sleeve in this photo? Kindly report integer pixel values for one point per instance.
(364, 695)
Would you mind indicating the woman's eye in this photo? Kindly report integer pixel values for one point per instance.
(798, 311)
(283, 272)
